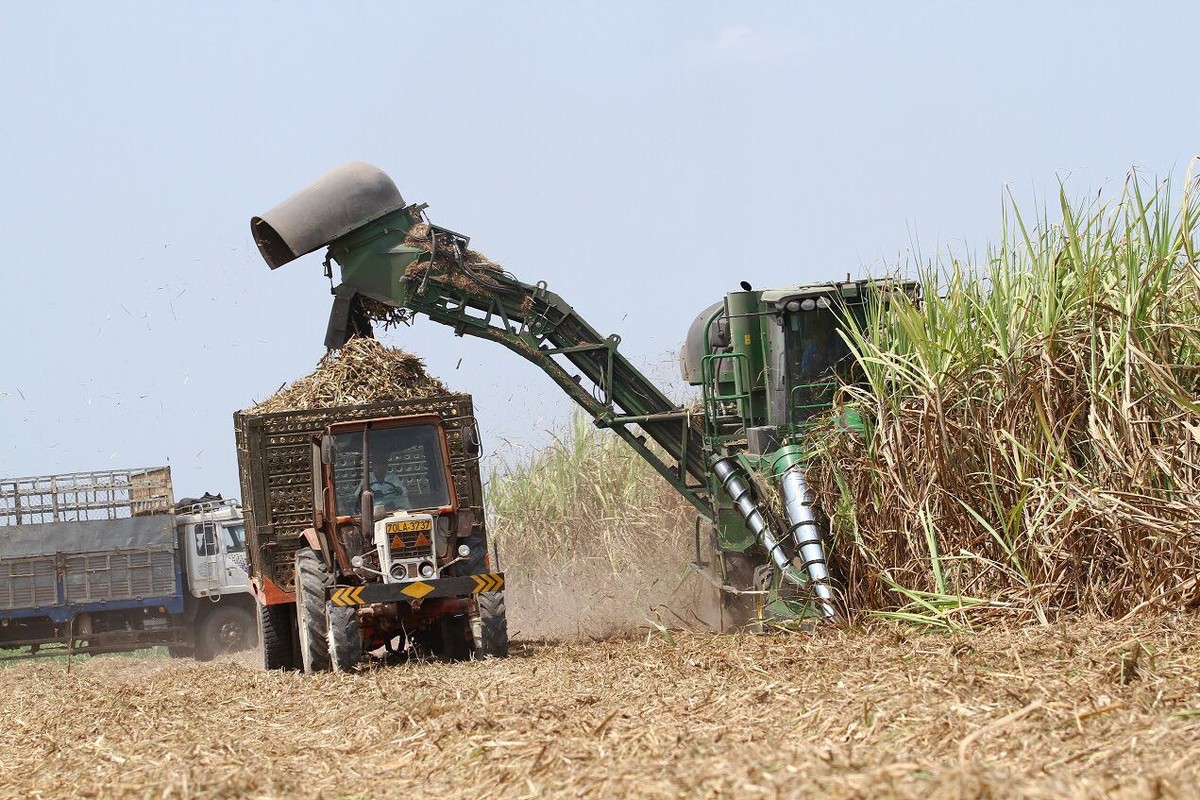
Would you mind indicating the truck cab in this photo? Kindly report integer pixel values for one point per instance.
(212, 541)
(213, 536)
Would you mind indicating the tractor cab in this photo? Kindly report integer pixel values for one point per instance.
(389, 486)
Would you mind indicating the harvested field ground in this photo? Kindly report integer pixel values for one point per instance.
(1081, 709)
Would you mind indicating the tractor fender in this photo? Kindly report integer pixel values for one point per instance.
(313, 538)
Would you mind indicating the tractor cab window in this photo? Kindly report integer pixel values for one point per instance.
(406, 471)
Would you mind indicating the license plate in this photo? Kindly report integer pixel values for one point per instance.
(409, 525)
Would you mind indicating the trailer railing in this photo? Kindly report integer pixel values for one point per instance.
(81, 496)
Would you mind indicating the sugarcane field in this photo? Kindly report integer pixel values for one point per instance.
(566, 400)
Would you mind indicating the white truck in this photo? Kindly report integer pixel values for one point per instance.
(106, 561)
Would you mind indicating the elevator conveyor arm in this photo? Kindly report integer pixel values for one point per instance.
(539, 326)
(393, 264)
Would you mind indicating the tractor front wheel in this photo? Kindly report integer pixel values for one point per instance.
(312, 578)
(345, 637)
(490, 627)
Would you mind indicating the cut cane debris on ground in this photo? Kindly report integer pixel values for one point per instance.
(1084, 709)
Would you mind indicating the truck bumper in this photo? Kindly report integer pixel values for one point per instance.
(371, 593)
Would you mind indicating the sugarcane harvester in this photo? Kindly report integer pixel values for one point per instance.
(765, 362)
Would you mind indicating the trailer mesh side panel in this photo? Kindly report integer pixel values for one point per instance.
(83, 496)
(275, 463)
(128, 575)
(28, 583)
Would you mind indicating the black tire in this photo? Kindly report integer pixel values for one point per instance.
(454, 638)
(491, 637)
(345, 638)
(276, 637)
(227, 629)
(180, 651)
(312, 578)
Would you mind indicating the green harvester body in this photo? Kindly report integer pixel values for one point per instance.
(767, 364)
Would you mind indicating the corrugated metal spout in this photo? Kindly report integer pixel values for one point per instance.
(806, 532)
(738, 490)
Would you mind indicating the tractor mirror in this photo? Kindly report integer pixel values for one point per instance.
(368, 515)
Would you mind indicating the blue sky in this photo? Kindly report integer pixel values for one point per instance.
(640, 158)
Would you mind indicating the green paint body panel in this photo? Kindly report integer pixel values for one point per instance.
(746, 338)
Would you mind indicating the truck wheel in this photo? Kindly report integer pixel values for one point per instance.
(226, 629)
(311, 580)
(345, 638)
(275, 636)
(491, 636)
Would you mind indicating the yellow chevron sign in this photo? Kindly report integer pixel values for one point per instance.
(417, 589)
(347, 596)
(488, 583)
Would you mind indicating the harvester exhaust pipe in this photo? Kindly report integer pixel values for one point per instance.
(727, 472)
(806, 532)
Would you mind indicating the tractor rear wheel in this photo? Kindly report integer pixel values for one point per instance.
(277, 640)
(491, 635)
(345, 637)
(312, 578)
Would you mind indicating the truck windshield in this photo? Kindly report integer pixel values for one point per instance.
(235, 538)
(407, 469)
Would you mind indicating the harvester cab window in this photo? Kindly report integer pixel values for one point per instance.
(820, 347)
(407, 469)
(816, 354)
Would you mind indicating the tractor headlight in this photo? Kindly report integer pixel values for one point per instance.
(464, 551)
(426, 569)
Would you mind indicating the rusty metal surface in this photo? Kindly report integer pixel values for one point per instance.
(276, 468)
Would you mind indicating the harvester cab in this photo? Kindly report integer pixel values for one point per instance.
(767, 363)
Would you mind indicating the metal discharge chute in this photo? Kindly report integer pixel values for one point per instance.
(766, 362)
